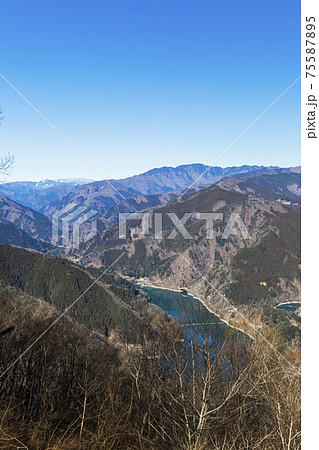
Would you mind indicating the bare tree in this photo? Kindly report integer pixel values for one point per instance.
(6, 162)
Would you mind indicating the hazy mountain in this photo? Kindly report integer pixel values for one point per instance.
(284, 187)
(36, 194)
(102, 195)
(108, 203)
(125, 196)
(31, 222)
(99, 196)
(270, 171)
(44, 184)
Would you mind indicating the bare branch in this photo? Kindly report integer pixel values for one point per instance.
(6, 164)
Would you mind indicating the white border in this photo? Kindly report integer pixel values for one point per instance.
(310, 247)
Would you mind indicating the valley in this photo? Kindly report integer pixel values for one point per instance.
(254, 275)
(150, 225)
(128, 313)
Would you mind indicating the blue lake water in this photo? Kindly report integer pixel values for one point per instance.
(183, 308)
(190, 312)
(290, 306)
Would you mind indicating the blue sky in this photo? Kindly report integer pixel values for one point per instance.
(140, 84)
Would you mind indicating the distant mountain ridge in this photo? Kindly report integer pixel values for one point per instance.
(190, 171)
(24, 226)
(37, 194)
(103, 195)
(73, 181)
(49, 195)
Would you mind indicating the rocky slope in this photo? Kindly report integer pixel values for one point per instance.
(262, 269)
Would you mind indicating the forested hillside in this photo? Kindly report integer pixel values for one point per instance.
(108, 306)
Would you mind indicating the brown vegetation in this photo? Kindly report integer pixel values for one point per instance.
(74, 390)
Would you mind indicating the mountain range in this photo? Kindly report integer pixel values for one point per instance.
(255, 274)
(49, 196)
(21, 224)
(102, 195)
(37, 194)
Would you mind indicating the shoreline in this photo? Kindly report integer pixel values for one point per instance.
(287, 303)
(209, 309)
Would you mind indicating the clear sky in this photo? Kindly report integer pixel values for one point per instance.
(146, 83)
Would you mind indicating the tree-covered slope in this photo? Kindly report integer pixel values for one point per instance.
(108, 305)
(11, 234)
(31, 222)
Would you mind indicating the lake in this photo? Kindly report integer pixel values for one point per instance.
(289, 306)
(190, 312)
